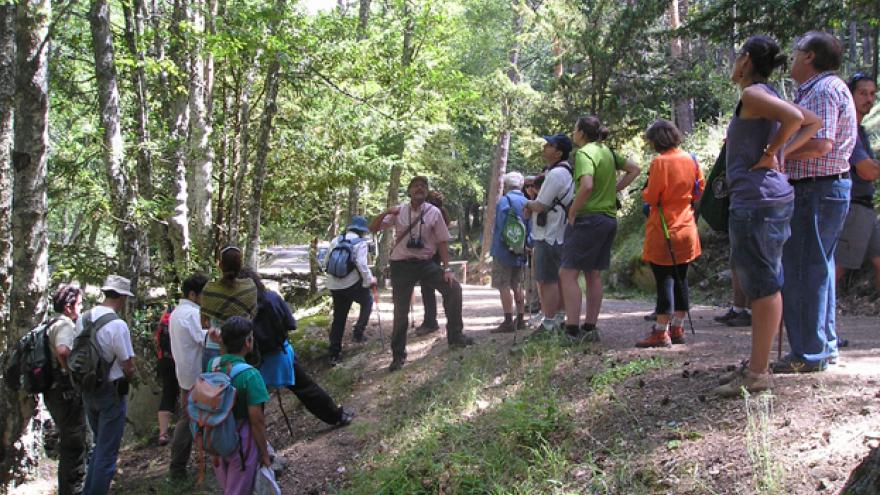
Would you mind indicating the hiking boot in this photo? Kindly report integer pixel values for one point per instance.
(743, 319)
(520, 323)
(425, 329)
(748, 380)
(726, 316)
(739, 371)
(794, 364)
(345, 416)
(581, 335)
(462, 341)
(504, 327)
(396, 364)
(334, 359)
(676, 335)
(359, 337)
(657, 338)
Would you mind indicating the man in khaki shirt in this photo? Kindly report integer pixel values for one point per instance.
(63, 402)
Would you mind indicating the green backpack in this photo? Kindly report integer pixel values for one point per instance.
(715, 203)
(513, 233)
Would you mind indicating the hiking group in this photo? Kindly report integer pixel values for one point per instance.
(796, 199)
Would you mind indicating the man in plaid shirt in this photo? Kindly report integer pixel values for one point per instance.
(820, 174)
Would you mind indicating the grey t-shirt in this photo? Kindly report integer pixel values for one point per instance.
(861, 189)
(557, 188)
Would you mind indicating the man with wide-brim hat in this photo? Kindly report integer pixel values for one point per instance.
(349, 280)
(106, 406)
(419, 233)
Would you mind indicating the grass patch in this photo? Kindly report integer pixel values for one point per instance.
(769, 475)
(615, 372)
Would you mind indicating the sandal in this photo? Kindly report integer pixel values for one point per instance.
(163, 440)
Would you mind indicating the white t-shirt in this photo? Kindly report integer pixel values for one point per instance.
(114, 341)
(557, 184)
(362, 270)
(187, 342)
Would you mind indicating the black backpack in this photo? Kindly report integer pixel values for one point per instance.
(269, 329)
(31, 367)
(88, 368)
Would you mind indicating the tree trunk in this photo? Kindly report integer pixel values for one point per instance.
(260, 165)
(122, 194)
(499, 164)
(683, 107)
(201, 156)
(178, 223)
(353, 201)
(30, 252)
(7, 100)
(226, 160)
(242, 157)
(363, 19)
(384, 249)
(865, 478)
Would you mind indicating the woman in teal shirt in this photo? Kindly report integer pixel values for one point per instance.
(592, 224)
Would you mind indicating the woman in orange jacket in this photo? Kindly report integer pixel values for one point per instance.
(675, 182)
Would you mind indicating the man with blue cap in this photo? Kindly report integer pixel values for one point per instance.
(349, 280)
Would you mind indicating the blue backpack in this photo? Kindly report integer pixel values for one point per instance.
(209, 407)
(341, 260)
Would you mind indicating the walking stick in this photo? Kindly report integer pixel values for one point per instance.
(674, 264)
(379, 316)
(283, 412)
(779, 339)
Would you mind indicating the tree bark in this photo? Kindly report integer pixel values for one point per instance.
(241, 158)
(353, 201)
(260, 165)
(384, 249)
(7, 100)
(683, 107)
(363, 19)
(201, 156)
(30, 252)
(502, 149)
(122, 194)
(178, 222)
(865, 478)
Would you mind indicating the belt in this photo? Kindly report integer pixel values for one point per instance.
(821, 178)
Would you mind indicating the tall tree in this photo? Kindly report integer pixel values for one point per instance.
(7, 97)
(201, 154)
(270, 108)
(683, 106)
(122, 194)
(242, 143)
(30, 252)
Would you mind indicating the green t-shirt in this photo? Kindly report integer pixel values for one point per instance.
(598, 161)
(250, 389)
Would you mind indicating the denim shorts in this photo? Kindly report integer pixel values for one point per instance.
(546, 260)
(588, 243)
(756, 239)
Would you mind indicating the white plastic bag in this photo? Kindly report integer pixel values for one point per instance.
(266, 484)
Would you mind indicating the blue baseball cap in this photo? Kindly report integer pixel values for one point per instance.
(560, 141)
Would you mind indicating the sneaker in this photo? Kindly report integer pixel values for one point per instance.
(504, 327)
(346, 415)
(794, 364)
(726, 316)
(657, 338)
(461, 342)
(424, 329)
(676, 334)
(582, 336)
(651, 317)
(359, 337)
(396, 364)
(752, 382)
(743, 319)
(520, 323)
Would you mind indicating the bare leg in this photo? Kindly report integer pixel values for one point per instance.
(164, 421)
(549, 299)
(766, 315)
(594, 295)
(839, 272)
(571, 295)
(876, 263)
(506, 300)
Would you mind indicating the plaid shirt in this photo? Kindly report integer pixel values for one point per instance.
(829, 98)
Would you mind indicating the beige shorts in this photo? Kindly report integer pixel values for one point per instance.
(506, 277)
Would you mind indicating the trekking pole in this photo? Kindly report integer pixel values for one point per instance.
(283, 412)
(379, 316)
(674, 264)
(779, 335)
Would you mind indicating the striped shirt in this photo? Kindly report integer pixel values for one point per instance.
(828, 97)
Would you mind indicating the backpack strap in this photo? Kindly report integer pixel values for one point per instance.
(237, 369)
(96, 325)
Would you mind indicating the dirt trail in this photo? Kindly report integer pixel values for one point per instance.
(821, 424)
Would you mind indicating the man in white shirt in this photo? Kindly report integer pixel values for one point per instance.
(188, 341)
(548, 215)
(106, 406)
(351, 288)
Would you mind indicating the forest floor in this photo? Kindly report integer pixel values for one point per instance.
(540, 417)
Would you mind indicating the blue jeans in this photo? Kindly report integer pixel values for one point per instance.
(808, 260)
(105, 412)
(757, 237)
